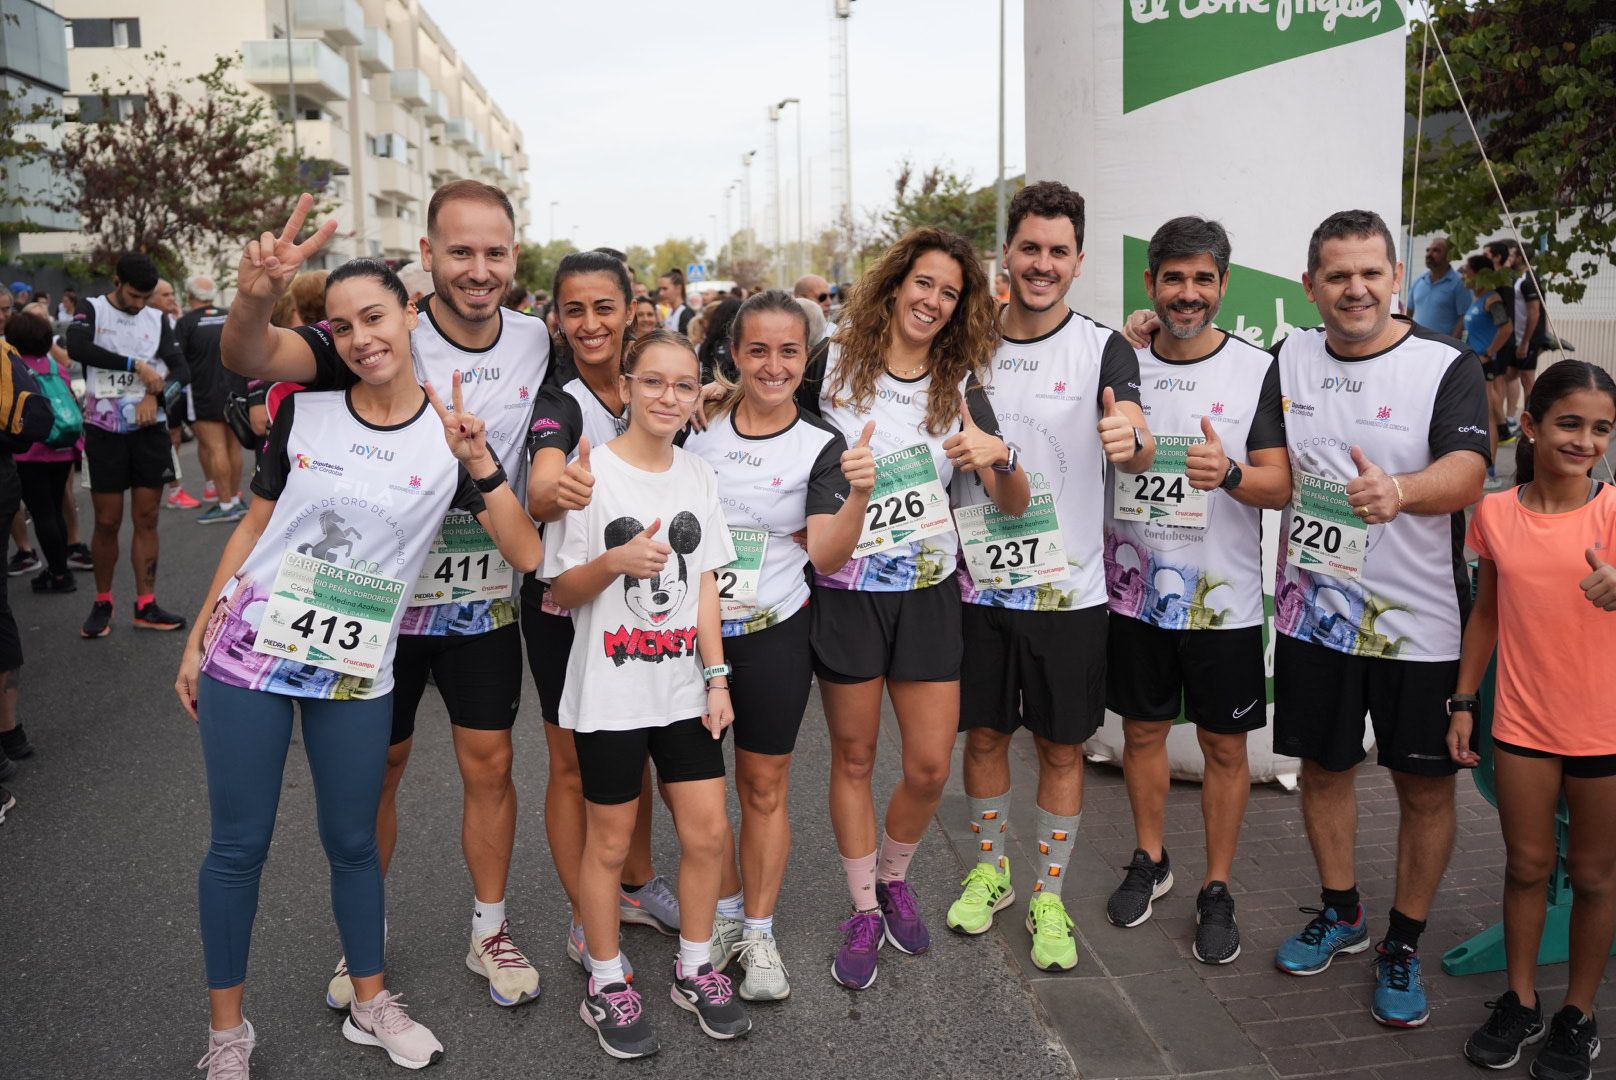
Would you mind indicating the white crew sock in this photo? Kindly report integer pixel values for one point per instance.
(692, 955)
(733, 907)
(607, 972)
(486, 917)
(765, 924)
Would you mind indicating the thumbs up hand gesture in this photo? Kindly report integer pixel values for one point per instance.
(577, 484)
(642, 557)
(1116, 430)
(1373, 493)
(858, 463)
(1600, 586)
(971, 448)
(1206, 464)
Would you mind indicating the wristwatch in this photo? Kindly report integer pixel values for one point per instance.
(1232, 478)
(1463, 703)
(490, 483)
(1009, 465)
(708, 674)
(1138, 441)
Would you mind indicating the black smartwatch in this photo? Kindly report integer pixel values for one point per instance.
(491, 482)
(1232, 478)
(1009, 465)
(1463, 703)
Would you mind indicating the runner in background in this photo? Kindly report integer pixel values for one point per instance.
(781, 472)
(306, 605)
(1488, 328)
(646, 680)
(585, 408)
(645, 317)
(129, 356)
(1183, 566)
(164, 299)
(1065, 391)
(671, 294)
(910, 355)
(1547, 602)
(197, 332)
(461, 626)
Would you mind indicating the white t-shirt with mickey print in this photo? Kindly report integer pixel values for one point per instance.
(634, 662)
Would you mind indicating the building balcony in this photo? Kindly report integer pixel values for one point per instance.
(399, 238)
(338, 22)
(410, 86)
(458, 132)
(325, 140)
(319, 72)
(376, 51)
(393, 179)
(437, 108)
(521, 161)
(33, 44)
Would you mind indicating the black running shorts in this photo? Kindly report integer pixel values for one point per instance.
(611, 763)
(479, 677)
(911, 636)
(1214, 678)
(1042, 670)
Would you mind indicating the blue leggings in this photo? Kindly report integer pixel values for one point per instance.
(245, 736)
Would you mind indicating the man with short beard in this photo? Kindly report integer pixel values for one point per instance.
(461, 629)
(1438, 300)
(1183, 567)
(1066, 389)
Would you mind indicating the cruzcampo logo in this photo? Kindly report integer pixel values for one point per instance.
(1170, 46)
(1262, 308)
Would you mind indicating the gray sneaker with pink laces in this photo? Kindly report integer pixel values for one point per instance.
(382, 1022)
(228, 1052)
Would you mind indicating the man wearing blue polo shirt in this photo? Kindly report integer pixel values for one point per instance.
(1439, 299)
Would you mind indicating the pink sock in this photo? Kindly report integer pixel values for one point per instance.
(103, 598)
(861, 881)
(895, 858)
(144, 598)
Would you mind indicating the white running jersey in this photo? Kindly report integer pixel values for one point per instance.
(366, 498)
(127, 333)
(774, 483)
(1046, 397)
(1199, 578)
(899, 412)
(1405, 407)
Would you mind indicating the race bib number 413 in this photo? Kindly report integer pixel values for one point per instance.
(1163, 494)
(322, 614)
(464, 566)
(1326, 537)
(908, 503)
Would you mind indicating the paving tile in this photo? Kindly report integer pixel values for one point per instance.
(1192, 1028)
(1100, 1028)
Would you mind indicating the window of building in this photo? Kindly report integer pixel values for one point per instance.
(93, 108)
(103, 34)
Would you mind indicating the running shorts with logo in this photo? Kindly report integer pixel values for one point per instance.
(142, 458)
(472, 675)
(1213, 678)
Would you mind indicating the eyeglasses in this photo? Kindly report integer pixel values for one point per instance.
(685, 390)
(823, 297)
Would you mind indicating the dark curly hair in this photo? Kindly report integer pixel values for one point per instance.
(1046, 198)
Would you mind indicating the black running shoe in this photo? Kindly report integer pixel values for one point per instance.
(1217, 938)
(99, 624)
(152, 617)
(617, 1015)
(47, 582)
(78, 557)
(14, 744)
(1147, 881)
(8, 768)
(1573, 1044)
(23, 562)
(711, 996)
(1497, 1043)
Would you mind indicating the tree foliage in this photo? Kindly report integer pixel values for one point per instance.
(1540, 81)
(199, 166)
(536, 263)
(942, 198)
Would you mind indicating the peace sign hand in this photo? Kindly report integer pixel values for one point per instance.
(271, 262)
(465, 432)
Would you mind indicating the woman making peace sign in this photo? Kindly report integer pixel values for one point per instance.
(290, 615)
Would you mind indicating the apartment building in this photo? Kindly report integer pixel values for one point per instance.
(374, 86)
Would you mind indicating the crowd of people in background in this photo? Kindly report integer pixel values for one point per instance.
(686, 506)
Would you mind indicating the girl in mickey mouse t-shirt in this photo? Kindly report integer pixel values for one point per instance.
(646, 676)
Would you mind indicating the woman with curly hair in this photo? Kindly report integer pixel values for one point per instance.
(903, 376)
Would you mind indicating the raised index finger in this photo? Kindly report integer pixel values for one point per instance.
(436, 401)
(300, 214)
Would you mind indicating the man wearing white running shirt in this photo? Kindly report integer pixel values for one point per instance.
(1066, 393)
(1184, 573)
(462, 626)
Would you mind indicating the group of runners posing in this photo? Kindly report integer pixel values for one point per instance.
(959, 503)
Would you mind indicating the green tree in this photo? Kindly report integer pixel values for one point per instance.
(1540, 81)
(536, 263)
(198, 166)
(942, 198)
(675, 251)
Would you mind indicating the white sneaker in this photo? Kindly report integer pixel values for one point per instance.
(339, 991)
(227, 1060)
(726, 940)
(511, 978)
(765, 972)
(382, 1022)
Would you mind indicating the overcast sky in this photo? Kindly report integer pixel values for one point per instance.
(635, 113)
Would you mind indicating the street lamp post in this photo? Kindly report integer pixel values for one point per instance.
(998, 198)
(746, 197)
(774, 218)
(553, 204)
(801, 254)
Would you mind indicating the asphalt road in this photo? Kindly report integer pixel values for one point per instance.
(100, 959)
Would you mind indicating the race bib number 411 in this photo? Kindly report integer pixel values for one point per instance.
(1163, 494)
(322, 614)
(1326, 537)
(464, 566)
(908, 503)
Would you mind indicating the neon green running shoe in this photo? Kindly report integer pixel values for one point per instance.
(987, 890)
(1053, 947)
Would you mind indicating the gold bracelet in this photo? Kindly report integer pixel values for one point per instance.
(1398, 485)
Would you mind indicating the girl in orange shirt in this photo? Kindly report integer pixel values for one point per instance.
(1547, 601)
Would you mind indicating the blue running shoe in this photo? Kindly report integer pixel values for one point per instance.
(1311, 951)
(1399, 993)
